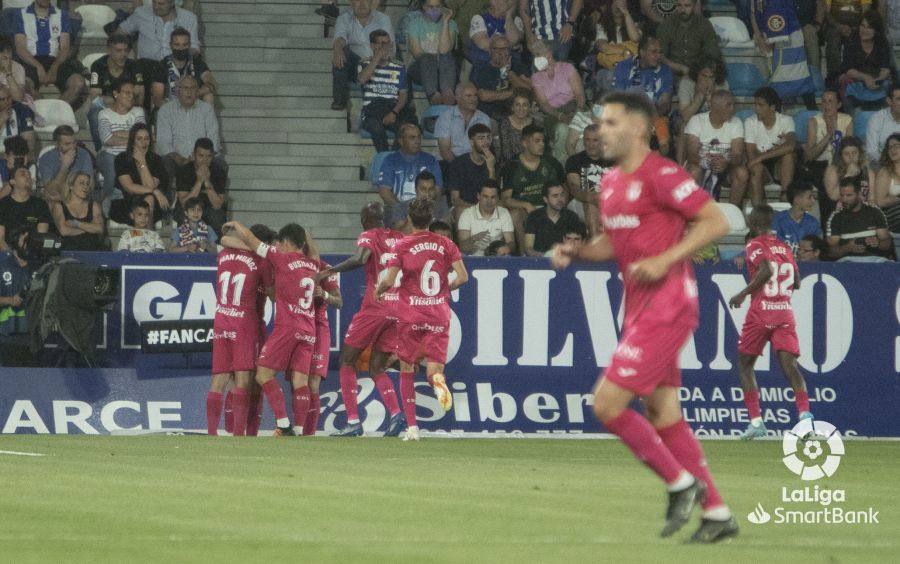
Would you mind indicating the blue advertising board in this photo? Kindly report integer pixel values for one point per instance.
(526, 346)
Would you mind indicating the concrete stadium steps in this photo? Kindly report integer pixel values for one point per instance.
(295, 168)
(321, 201)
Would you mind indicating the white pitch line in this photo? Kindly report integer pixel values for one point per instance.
(15, 453)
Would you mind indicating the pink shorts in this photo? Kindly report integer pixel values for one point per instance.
(647, 357)
(416, 341)
(235, 346)
(755, 335)
(287, 348)
(376, 330)
(319, 366)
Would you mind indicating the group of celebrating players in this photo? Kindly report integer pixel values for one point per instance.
(654, 216)
(405, 318)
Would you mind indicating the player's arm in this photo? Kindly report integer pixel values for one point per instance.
(331, 296)
(388, 281)
(598, 249)
(243, 234)
(462, 275)
(759, 280)
(231, 242)
(359, 259)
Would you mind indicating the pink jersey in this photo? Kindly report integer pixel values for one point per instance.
(294, 288)
(644, 214)
(771, 304)
(425, 259)
(379, 241)
(239, 277)
(330, 285)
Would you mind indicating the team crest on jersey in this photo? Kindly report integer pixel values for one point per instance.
(775, 23)
(667, 170)
(55, 29)
(634, 191)
(7, 277)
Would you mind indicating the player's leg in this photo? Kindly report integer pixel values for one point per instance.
(241, 394)
(437, 380)
(300, 400)
(349, 389)
(408, 395)
(229, 410)
(271, 388)
(788, 363)
(756, 428)
(377, 368)
(254, 407)
(214, 401)
(315, 406)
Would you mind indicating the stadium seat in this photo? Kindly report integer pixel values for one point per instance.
(93, 18)
(17, 3)
(744, 78)
(744, 114)
(732, 32)
(735, 218)
(861, 124)
(89, 60)
(430, 117)
(780, 206)
(375, 165)
(801, 119)
(55, 113)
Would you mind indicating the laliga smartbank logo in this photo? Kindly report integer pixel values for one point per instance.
(813, 450)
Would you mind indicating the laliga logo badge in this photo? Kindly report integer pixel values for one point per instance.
(812, 439)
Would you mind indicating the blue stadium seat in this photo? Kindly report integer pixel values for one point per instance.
(744, 114)
(429, 118)
(861, 124)
(801, 119)
(744, 78)
(375, 165)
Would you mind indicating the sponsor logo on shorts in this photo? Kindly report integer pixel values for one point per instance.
(626, 372)
(303, 337)
(229, 335)
(629, 352)
(429, 327)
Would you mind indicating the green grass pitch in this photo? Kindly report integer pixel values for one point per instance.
(206, 499)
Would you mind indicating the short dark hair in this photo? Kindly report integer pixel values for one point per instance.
(179, 31)
(490, 183)
(761, 216)
(438, 225)
(579, 229)
(293, 233)
(6, 43)
(491, 250)
(768, 95)
(117, 38)
(263, 233)
(424, 175)
(645, 41)
(16, 145)
(532, 129)
(421, 212)
(63, 131)
(545, 191)
(205, 143)
(118, 84)
(522, 93)
(373, 37)
(192, 203)
(818, 243)
(797, 188)
(477, 129)
(850, 181)
(16, 168)
(138, 203)
(634, 103)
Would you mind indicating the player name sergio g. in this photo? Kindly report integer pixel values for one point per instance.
(426, 246)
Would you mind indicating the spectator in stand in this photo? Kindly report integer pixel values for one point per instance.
(396, 181)
(22, 209)
(548, 225)
(559, 93)
(79, 221)
(812, 249)
(523, 180)
(849, 163)
(655, 12)
(16, 153)
(18, 117)
(154, 26)
(384, 85)
(890, 13)
(550, 21)
(882, 124)
(580, 121)
(867, 66)
(858, 232)
(467, 173)
(43, 45)
(498, 249)
(55, 165)
(181, 123)
(431, 38)
(351, 44)
(16, 278)
(824, 133)
(499, 19)
(426, 187)
(584, 171)
(497, 80)
(205, 179)
(770, 142)
(647, 74)
(193, 235)
(778, 35)
(887, 183)
(12, 74)
(687, 39)
(106, 71)
(141, 238)
(481, 225)
(715, 148)
(509, 128)
(179, 63)
(115, 123)
(792, 225)
(141, 174)
(694, 95)
(842, 19)
(452, 128)
(811, 15)
(615, 38)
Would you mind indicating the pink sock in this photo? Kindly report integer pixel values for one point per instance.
(751, 400)
(686, 449)
(408, 393)
(639, 436)
(213, 412)
(801, 398)
(275, 397)
(254, 412)
(301, 405)
(312, 416)
(229, 412)
(388, 395)
(239, 404)
(349, 391)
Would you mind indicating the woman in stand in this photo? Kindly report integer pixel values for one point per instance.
(140, 173)
(78, 220)
(887, 183)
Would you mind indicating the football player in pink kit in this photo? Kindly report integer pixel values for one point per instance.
(375, 324)
(647, 203)
(425, 260)
(240, 280)
(773, 278)
(291, 344)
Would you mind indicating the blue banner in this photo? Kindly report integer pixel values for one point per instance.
(527, 344)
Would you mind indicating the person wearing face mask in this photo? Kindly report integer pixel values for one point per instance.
(688, 39)
(154, 25)
(182, 62)
(559, 93)
(431, 39)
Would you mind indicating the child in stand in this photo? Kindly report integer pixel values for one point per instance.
(193, 235)
(141, 238)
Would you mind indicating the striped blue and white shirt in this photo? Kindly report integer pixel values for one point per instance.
(42, 34)
(548, 17)
(387, 82)
(21, 120)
